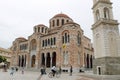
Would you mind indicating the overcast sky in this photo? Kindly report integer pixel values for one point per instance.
(18, 17)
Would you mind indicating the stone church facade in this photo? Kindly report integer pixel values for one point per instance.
(106, 39)
(61, 44)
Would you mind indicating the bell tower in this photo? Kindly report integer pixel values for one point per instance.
(105, 39)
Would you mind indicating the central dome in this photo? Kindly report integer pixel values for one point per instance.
(61, 15)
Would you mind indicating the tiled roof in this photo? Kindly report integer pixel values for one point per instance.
(61, 15)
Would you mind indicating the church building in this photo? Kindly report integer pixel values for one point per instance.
(60, 44)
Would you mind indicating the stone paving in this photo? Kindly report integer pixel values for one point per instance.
(30, 75)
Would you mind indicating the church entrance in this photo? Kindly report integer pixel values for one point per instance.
(43, 59)
(48, 60)
(33, 61)
(54, 59)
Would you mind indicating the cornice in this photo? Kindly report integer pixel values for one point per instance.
(101, 2)
(105, 21)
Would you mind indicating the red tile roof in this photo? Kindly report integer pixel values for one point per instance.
(61, 15)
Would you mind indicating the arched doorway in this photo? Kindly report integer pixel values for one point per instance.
(33, 61)
(54, 59)
(43, 59)
(91, 61)
(22, 65)
(88, 61)
(48, 60)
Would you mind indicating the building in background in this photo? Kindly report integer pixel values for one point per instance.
(61, 44)
(6, 53)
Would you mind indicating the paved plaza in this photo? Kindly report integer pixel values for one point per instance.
(30, 75)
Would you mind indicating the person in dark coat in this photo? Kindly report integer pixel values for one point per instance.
(71, 70)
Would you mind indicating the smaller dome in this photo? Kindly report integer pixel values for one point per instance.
(61, 15)
(40, 25)
(21, 38)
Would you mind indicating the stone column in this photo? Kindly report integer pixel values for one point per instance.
(37, 59)
(45, 60)
(28, 61)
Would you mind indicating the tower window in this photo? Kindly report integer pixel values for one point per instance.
(106, 13)
(97, 15)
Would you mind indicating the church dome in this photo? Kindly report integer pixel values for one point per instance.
(59, 20)
(61, 15)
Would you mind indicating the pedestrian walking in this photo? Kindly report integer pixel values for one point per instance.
(60, 70)
(12, 71)
(23, 71)
(71, 70)
(42, 72)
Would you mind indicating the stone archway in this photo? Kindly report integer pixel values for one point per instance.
(54, 59)
(22, 65)
(33, 59)
(91, 61)
(48, 61)
(87, 61)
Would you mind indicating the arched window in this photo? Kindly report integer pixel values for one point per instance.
(97, 15)
(57, 22)
(53, 23)
(43, 43)
(54, 40)
(78, 38)
(62, 21)
(106, 13)
(42, 29)
(65, 37)
(68, 38)
(38, 29)
(48, 41)
(45, 30)
(51, 41)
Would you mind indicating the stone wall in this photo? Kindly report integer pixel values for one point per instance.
(107, 66)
